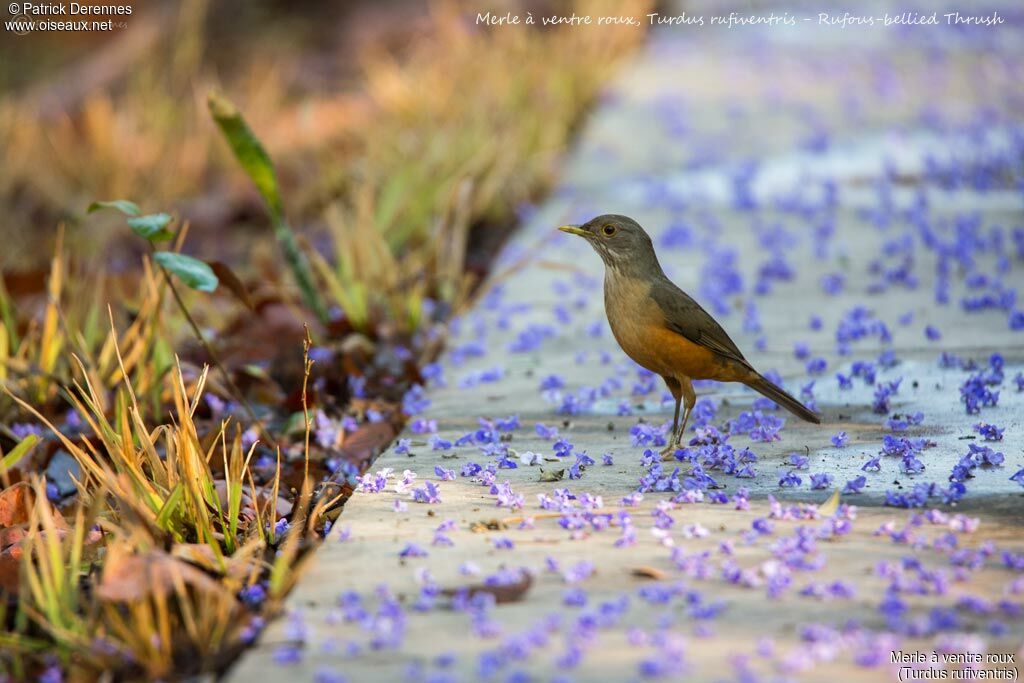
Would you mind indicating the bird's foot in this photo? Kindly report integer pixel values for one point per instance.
(669, 452)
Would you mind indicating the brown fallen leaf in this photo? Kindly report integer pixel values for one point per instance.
(10, 567)
(11, 535)
(202, 555)
(227, 277)
(367, 442)
(509, 592)
(482, 525)
(282, 509)
(15, 504)
(131, 577)
(648, 573)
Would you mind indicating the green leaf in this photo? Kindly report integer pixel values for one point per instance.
(18, 452)
(123, 205)
(152, 227)
(551, 475)
(248, 150)
(191, 271)
(163, 519)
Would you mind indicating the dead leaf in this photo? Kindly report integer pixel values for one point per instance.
(202, 555)
(487, 525)
(648, 573)
(11, 535)
(132, 577)
(367, 442)
(282, 509)
(509, 592)
(10, 567)
(228, 278)
(15, 504)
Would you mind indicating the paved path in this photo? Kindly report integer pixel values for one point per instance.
(842, 195)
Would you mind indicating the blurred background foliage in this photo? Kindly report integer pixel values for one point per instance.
(407, 140)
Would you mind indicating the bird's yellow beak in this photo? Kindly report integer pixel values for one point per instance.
(574, 230)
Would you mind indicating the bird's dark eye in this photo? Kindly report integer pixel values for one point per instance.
(609, 230)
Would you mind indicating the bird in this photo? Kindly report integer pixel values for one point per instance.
(662, 328)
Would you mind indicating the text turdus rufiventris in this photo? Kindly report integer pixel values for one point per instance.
(662, 328)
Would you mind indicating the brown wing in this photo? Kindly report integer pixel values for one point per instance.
(685, 316)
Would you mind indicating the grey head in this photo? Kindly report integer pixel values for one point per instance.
(621, 243)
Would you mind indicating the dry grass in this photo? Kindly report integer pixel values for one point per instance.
(468, 127)
(176, 539)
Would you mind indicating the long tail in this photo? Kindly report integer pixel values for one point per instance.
(766, 388)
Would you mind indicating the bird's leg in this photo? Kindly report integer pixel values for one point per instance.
(677, 392)
(669, 451)
(682, 429)
(689, 398)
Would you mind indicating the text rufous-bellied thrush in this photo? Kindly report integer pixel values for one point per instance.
(662, 328)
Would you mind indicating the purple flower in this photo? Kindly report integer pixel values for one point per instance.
(428, 493)
(508, 424)
(989, 431)
(975, 392)
(606, 459)
(253, 596)
(832, 284)
(24, 429)
(434, 373)
(574, 597)
(545, 432)
(839, 439)
(821, 481)
(578, 572)
(325, 675)
(644, 434)
(855, 485)
(932, 333)
(798, 461)
(1018, 477)
(287, 654)
(883, 392)
(414, 401)
(816, 366)
(438, 444)
(503, 543)
(402, 446)
(507, 497)
(1016, 320)
(412, 550)
(444, 474)
(552, 382)
(281, 527)
(53, 492)
(421, 426)
(790, 479)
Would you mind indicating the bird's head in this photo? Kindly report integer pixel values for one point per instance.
(619, 240)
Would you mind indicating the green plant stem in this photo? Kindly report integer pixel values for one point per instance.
(215, 359)
(300, 268)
